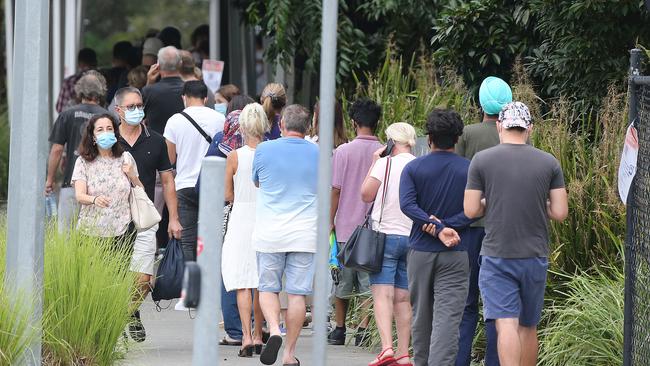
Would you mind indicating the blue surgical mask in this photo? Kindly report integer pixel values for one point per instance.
(133, 117)
(221, 108)
(106, 140)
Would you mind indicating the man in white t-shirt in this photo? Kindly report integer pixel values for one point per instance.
(188, 136)
(285, 170)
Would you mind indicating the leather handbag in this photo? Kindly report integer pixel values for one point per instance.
(143, 212)
(364, 251)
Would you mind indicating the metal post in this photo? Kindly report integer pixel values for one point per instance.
(9, 49)
(628, 329)
(215, 41)
(325, 142)
(57, 71)
(28, 149)
(210, 219)
(70, 45)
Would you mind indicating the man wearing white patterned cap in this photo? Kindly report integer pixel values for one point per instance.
(517, 188)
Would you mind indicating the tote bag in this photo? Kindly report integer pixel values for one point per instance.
(364, 251)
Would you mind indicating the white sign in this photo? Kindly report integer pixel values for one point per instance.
(212, 73)
(627, 169)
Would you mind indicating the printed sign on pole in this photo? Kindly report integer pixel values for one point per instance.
(212, 73)
(627, 168)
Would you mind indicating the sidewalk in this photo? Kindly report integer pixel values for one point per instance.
(169, 343)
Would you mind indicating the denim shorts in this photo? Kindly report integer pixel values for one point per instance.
(393, 270)
(297, 267)
(513, 288)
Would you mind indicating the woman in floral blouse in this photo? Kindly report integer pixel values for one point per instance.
(102, 177)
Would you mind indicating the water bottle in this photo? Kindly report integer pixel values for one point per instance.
(50, 206)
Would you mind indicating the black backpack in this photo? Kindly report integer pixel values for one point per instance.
(169, 279)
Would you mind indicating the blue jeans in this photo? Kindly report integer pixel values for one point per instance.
(230, 312)
(473, 238)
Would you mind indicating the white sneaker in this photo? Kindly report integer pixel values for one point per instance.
(179, 306)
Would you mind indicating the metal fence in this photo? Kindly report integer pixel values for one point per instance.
(637, 243)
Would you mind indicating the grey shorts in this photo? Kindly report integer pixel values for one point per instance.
(352, 282)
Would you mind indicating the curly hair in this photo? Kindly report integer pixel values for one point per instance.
(365, 113)
(91, 86)
(87, 147)
(444, 127)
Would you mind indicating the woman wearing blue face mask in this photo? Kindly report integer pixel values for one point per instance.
(102, 179)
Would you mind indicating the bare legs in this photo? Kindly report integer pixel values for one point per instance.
(389, 300)
(246, 304)
(270, 303)
(517, 344)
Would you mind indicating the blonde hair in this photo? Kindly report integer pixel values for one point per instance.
(253, 121)
(273, 99)
(401, 132)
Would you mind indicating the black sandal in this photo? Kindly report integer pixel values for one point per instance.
(246, 351)
(258, 349)
(270, 352)
(293, 364)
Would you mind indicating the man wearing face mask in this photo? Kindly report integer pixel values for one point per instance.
(150, 153)
(188, 136)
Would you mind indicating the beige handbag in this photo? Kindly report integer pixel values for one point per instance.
(143, 212)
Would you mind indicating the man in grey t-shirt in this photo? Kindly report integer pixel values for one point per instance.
(522, 188)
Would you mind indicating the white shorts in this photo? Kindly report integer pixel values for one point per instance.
(144, 251)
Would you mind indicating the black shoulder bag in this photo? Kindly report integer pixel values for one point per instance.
(364, 251)
(198, 128)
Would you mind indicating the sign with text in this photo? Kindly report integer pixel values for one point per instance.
(212, 73)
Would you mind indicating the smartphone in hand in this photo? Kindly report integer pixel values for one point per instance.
(390, 144)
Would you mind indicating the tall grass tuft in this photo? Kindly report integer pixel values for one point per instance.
(586, 326)
(407, 93)
(588, 148)
(88, 292)
(15, 331)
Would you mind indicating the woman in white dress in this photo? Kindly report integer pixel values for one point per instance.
(239, 263)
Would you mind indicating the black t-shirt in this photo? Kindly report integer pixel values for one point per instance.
(150, 154)
(161, 101)
(68, 129)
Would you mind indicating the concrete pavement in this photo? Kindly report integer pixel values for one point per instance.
(169, 343)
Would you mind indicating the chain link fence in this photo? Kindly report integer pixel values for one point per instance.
(637, 244)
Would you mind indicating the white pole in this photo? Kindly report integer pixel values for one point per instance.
(28, 152)
(325, 143)
(215, 41)
(9, 48)
(70, 52)
(57, 71)
(211, 197)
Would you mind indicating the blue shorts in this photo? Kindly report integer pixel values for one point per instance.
(393, 270)
(297, 267)
(513, 288)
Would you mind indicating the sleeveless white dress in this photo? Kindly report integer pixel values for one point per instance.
(238, 258)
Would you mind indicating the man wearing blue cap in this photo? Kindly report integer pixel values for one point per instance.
(494, 93)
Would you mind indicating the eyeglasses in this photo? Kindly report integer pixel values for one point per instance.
(132, 107)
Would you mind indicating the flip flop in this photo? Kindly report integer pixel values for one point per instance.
(270, 352)
(227, 341)
(292, 364)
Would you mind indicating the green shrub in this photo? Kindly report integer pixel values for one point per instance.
(586, 325)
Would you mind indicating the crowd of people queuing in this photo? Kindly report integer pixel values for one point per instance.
(468, 219)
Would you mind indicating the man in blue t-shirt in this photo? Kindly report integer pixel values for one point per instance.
(431, 194)
(284, 236)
